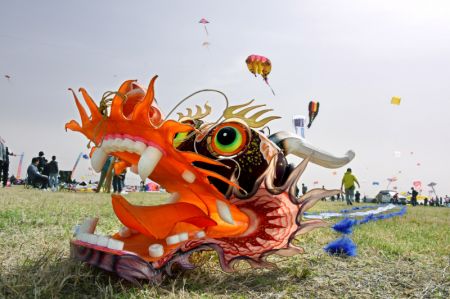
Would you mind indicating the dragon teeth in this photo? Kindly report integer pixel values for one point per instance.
(92, 239)
(128, 145)
(139, 147)
(115, 244)
(103, 241)
(88, 226)
(148, 161)
(171, 240)
(88, 238)
(188, 176)
(183, 236)
(117, 145)
(98, 159)
(82, 237)
(224, 212)
(200, 234)
(156, 250)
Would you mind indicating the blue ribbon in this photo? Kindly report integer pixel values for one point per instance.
(344, 245)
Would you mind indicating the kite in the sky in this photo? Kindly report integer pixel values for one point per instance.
(417, 185)
(395, 101)
(313, 109)
(260, 65)
(8, 77)
(204, 22)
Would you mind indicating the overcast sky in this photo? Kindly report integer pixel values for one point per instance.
(351, 56)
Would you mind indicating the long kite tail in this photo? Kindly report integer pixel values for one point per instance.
(206, 30)
(267, 82)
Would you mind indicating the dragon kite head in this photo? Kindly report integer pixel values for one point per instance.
(232, 189)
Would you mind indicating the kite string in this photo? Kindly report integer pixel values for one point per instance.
(227, 103)
(193, 94)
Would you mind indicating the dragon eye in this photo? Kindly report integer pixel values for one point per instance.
(228, 139)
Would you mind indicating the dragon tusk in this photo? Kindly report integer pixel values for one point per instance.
(293, 144)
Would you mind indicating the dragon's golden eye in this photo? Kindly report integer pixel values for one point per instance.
(228, 139)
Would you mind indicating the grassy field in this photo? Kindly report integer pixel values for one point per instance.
(397, 258)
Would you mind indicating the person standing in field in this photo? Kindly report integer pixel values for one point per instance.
(323, 198)
(42, 162)
(357, 197)
(4, 170)
(413, 197)
(348, 181)
(53, 173)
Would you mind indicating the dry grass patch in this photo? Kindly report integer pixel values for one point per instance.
(397, 258)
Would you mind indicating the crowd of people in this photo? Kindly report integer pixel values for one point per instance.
(42, 173)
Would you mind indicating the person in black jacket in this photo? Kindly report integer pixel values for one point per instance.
(52, 168)
(34, 176)
(414, 194)
(4, 169)
(41, 162)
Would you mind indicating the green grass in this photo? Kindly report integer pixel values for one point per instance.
(397, 258)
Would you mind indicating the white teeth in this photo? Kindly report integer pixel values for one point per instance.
(128, 145)
(156, 250)
(106, 144)
(148, 161)
(125, 232)
(88, 238)
(88, 226)
(200, 234)
(82, 237)
(173, 197)
(92, 239)
(170, 240)
(139, 147)
(183, 236)
(116, 145)
(188, 176)
(103, 241)
(115, 244)
(98, 159)
(224, 212)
